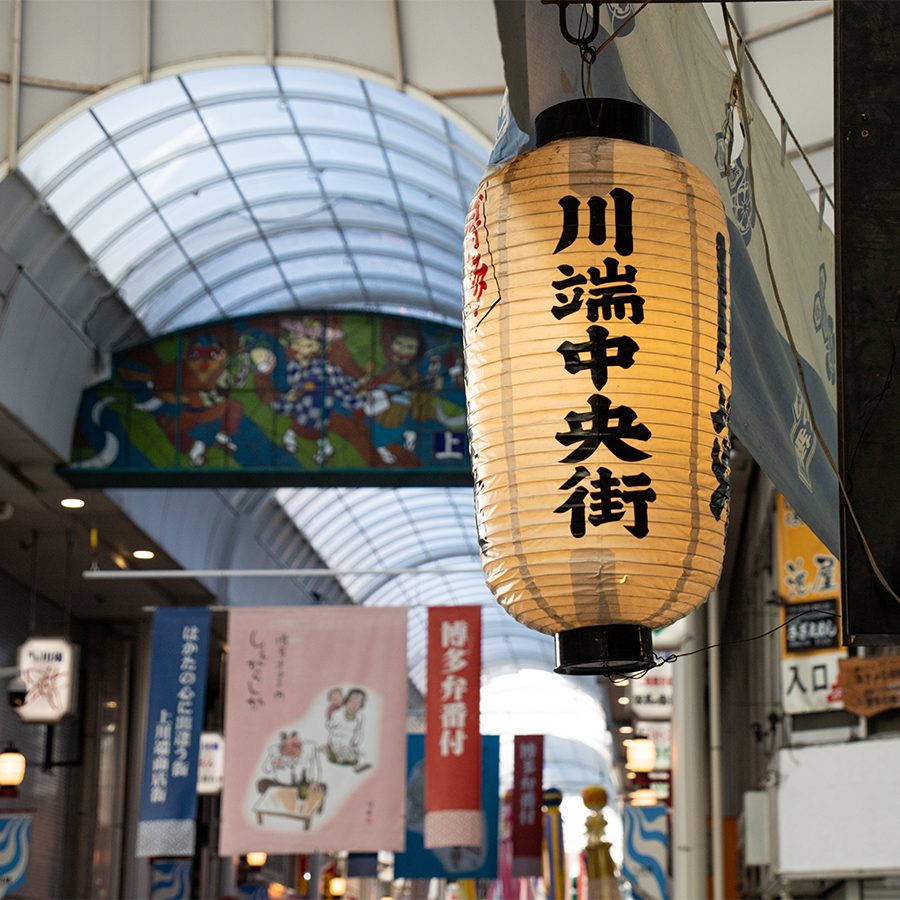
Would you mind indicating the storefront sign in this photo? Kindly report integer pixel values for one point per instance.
(809, 586)
(452, 745)
(528, 796)
(49, 668)
(211, 765)
(178, 662)
(871, 685)
(651, 696)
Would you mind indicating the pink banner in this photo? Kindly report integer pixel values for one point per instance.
(315, 726)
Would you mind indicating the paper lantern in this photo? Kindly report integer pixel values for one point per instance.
(12, 771)
(640, 754)
(598, 384)
(643, 797)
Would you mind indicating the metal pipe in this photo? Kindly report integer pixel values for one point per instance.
(168, 574)
(146, 40)
(715, 747)
(689, 833)
(15, 86)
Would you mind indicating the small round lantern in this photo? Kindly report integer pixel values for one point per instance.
(12, 771)
(598, 384)
(640, 754)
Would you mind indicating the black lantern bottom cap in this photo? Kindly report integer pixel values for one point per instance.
(604, 650)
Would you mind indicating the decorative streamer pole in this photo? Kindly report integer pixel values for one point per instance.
(602, 884)
(554, 851)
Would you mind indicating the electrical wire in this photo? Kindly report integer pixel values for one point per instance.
(739, 83)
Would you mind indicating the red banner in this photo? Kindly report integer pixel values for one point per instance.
(528, 795)
(453, 815)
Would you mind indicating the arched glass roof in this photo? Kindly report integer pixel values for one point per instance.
(230, 191)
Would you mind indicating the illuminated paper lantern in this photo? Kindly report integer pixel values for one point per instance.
(598, 384)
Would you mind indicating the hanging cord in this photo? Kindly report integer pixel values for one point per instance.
(589, 54)
(67, 607)
(742, 101)
(757, 637)
(32, 599)
(744, 52)
(661, 659)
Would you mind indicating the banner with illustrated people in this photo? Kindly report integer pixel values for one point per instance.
(287, 398)
(315, 722)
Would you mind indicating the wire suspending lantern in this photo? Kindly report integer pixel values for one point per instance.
(598, 384)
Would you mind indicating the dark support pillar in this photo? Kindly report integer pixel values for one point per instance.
(867, 170)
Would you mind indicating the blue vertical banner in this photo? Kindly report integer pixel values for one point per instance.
(450, 862)
(171, 879)
(178, 661)
(15, 850)
(646, 851)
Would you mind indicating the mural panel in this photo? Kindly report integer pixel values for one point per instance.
(303, 398)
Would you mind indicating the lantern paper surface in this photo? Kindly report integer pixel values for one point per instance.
(598, 383)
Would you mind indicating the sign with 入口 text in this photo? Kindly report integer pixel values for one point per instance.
(871, 685)
(178, 660)
(528, 796)
(452, 744)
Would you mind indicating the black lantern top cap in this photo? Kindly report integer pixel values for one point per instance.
(593, 117)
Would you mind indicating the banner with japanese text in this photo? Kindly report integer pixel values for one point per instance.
(809, 585)
(450, 862)
(179, 653)
(528, 796)
(315, 721)
(452, 744)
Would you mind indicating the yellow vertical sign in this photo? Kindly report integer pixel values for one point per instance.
(809, 585)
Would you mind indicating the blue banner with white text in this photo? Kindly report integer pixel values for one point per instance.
(179, 655)
(450, 862)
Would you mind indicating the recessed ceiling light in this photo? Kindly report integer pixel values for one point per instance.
(624, 701)
(143, 554)
(72, 503)
(119, 560)
(626, 729)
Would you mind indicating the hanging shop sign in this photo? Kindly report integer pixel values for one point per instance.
(317, 398)
(15, 853)
(809, 587)
(478, 861)
(49, 668)
(871, 685)
(528, 796)
(453, 815)
(651, 696)
(660, 733)
(315, 721)
(179, 654)
(598, 384)
(211, 763)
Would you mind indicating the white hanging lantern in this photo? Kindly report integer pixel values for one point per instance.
(12, 771)
(640, 754)
(598, 384)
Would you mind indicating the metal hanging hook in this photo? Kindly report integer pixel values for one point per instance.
(563, 25)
